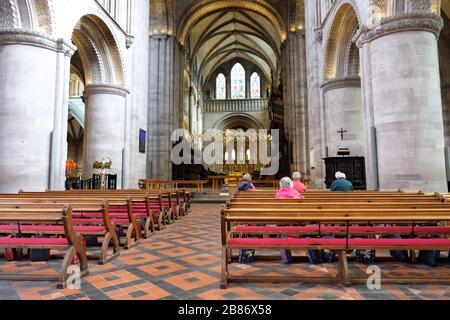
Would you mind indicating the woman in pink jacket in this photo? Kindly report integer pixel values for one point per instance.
(287, 190)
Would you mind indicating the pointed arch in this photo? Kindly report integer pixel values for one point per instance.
(255, 86)
(221, 87)
(237, 77)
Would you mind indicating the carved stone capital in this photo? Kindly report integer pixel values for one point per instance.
(341, 83)
(413, 21)
(105, 89)
(36, 39)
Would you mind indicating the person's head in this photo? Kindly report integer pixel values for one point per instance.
(247, 177)
(296, 176)
(286, 182)
(340, 175)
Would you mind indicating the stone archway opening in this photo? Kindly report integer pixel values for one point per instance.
(97, 68)
(342, 86)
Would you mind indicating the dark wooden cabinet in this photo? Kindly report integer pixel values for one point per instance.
(353, 167)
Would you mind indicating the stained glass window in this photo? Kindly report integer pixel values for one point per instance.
(238, 82)
(255, 86)
(221, 87)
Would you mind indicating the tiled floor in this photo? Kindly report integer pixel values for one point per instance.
(183, 262)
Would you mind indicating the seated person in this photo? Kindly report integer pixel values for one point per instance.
(341, 184)
(298, 185)
(246, 184)
(287, 190)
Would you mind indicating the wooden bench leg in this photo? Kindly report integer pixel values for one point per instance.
(107, 240)
(67, 262)
(343, 273)
(132, 237)
(224, 273)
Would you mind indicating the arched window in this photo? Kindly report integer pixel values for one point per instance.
(255, 86)
(221, 92)
(238, 82)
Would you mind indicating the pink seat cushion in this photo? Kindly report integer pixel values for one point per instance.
(373, 243)
(51, 228)
(355, 229)
(34, 241)
(338, 243)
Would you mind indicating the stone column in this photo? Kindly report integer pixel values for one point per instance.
(313, 39)
(104, 128)
(406, 101)
(161, 106)
(343, 110)
(28, 87)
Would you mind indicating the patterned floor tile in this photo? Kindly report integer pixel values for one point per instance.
(183, 261)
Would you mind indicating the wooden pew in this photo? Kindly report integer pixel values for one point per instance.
(69, 242)
(123, 216)
(349, 218)
(89, 219)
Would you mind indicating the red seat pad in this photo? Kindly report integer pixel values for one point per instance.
(34, 241)
(157, 208)
(276, 229)
(76, 220)
(373, 243)
(338, 243)
(51, 228)
(355, 229)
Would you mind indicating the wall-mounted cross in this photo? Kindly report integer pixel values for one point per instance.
(342, 131)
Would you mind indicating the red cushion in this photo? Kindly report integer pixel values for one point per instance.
(373, 243)
(51, 228)
(34, 241)
(338, 243)
(354, 229)
(276, 229)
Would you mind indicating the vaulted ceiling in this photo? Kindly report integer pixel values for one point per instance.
(229, 34)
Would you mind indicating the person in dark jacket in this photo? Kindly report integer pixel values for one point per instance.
(246, 184)
(341, 184)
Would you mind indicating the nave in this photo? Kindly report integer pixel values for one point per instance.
(183, 261)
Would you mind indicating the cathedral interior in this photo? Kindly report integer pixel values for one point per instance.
(150, 98)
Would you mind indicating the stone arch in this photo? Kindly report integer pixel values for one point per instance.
(100, 54)
(238, 120)
(196, 12)
(341, 53)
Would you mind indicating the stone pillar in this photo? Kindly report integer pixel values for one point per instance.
(161, 106)
(104, 128)
(297, 118)
(313, 39)
(28, 87)
(343, 110)
(402, 60)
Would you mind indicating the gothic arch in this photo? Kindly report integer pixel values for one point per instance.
(341, 54)
(99, 52)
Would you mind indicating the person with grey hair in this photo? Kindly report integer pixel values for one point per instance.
(298, 185)
(341, 184)
(287, 190)
(246, 184)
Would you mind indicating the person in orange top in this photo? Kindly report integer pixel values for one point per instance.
(298, 185)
